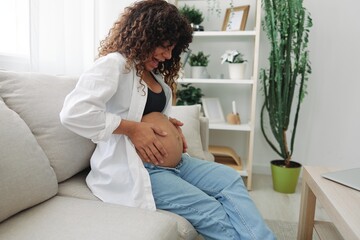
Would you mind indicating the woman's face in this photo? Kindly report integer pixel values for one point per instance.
(160, 54)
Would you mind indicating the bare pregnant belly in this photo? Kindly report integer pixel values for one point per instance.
(172, 142)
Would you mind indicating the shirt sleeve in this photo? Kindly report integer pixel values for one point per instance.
(84, 111)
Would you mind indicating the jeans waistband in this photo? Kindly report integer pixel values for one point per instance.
(175, 169)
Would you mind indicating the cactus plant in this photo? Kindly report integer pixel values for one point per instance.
(287, 25)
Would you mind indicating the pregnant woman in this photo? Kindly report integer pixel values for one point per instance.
(121, 104)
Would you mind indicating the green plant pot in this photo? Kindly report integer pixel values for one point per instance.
(285, 179)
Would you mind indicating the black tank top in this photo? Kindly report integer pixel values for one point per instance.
(155, 102)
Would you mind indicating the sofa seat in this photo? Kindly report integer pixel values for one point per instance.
(69, 218)
(76, 187)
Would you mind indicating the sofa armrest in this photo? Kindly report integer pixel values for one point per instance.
(204, 135)
(204, 132)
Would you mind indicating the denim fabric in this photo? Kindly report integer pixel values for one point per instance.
(211, 196)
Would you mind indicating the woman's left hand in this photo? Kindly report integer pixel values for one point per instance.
(178, 125)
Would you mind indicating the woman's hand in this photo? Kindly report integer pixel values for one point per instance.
(178, 125)
(143, 136)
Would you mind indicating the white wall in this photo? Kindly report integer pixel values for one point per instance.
(329, 125)
(107, 13)
(330, 117)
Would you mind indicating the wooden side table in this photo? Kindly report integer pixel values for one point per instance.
(342, 204)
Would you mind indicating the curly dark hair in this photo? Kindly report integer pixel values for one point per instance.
(144, 26)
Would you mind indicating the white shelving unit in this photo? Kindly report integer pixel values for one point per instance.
(244, 127)
(224, 33)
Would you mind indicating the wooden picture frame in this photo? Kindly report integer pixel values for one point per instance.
(235, 18)
(213, 110)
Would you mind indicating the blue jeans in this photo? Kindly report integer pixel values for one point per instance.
(211, 196)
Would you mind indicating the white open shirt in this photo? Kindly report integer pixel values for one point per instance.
(104, 95)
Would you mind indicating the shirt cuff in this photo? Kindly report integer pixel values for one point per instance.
(111, 123)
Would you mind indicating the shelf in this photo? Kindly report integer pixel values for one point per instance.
(216, 81)
(226, 126)
(223, 33)
(242, 88)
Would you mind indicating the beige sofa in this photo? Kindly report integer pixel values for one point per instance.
(43, 194)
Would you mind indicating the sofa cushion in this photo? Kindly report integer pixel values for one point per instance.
(26, 175)
(38, 99)
(186, 231)
(190, 116)
(76, 187)
(72, 219)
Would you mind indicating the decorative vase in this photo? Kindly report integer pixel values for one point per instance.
(237, 70)
(285, 179)
(199, 72)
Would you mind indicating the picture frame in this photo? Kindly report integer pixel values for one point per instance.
(235, 18)
(213, 110)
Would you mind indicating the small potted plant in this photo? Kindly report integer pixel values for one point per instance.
(198, 63)
(194, 16)
(188, 95)
(237, 63)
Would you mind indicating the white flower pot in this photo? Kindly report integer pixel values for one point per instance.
(237, 70)
(199, 72)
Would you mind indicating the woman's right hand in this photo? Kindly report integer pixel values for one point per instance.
(143, 136)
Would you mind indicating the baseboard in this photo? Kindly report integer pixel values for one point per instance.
(266, 170)
(261, 169)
